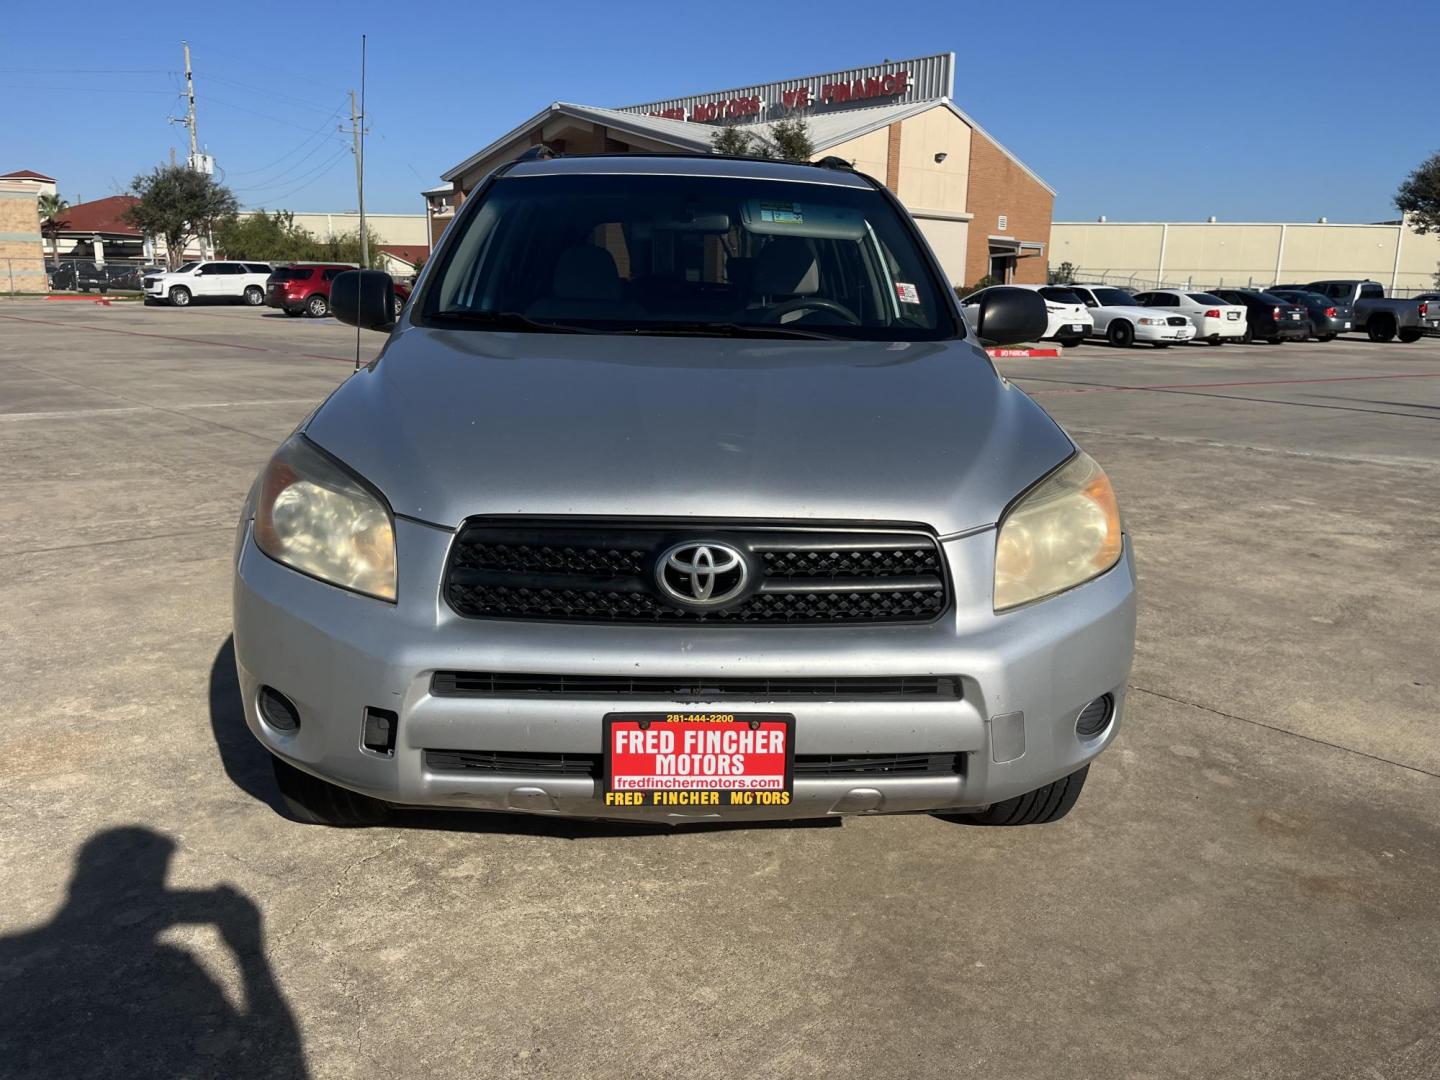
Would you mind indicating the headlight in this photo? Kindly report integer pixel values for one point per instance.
(316, 516)
(1152, 322)
(1065, 531)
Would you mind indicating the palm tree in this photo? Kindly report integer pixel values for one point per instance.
(51, 206)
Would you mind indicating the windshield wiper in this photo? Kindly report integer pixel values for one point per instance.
(726, 329)
(512, 320)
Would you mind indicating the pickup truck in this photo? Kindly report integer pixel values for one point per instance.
(1382, 318)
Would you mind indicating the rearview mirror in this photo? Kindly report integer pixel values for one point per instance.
(364, 298)
(1009, 316)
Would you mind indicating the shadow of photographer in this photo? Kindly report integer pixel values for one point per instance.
(95, 992)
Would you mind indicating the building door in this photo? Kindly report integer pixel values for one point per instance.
(1002, 268)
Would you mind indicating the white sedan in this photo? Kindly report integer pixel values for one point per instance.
(1069, 322)
(1121, 321)
(1215, 321)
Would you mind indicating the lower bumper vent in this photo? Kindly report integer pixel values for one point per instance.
(807, 766)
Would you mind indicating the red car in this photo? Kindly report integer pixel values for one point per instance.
(304, 289)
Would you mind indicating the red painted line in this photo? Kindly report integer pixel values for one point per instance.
(1044, 354)
(174, 337)
(80, 299)
(1219, 385)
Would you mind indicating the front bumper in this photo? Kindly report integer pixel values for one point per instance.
(1164, 333)
(334, 653)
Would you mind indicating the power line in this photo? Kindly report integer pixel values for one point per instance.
(288, 99)
(256, 112)
(284, 177)
(81, 89)
(322, 130)
(321, 170)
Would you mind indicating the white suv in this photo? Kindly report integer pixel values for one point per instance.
(244, 281)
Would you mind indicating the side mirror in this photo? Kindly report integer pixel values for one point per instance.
(1009, 316)
(364, 298)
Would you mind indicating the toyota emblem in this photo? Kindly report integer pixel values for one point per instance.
(702, 574)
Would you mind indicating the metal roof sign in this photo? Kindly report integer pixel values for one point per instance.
(895, 82)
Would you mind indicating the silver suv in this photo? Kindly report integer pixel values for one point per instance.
(682, 491)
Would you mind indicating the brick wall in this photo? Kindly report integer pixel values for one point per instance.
(999, 186)
(22, 252)
(892, 158)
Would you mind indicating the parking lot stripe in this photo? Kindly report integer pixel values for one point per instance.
(174, 337)
(1101, 388)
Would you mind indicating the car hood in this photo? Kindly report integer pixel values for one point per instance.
(449, 424)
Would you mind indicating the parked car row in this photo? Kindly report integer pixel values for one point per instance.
(1162, 317)
(299, 289)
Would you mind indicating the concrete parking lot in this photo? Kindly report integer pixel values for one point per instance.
(1247, 887)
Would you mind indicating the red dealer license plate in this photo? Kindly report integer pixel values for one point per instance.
(699, 759)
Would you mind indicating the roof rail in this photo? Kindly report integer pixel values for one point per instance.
(538, 152)
(830, 161)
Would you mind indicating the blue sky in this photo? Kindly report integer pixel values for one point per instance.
(1138, 116)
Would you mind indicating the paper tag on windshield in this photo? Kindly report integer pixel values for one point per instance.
(907, 293)
(782, 213)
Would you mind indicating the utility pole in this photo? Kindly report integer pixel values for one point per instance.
(357, 134)
(190, 112)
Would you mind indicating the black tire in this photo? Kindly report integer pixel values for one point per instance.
(150, 301)
(1159, 344)
(254, 295)
(1381, 328)
(1039, 807)
(399, 306)
(1215, 340)
(180, 296)
(1410, 334)
(312, 801)
(1247, 337)
(1326, 337)
(317, 307)
(1120, 334)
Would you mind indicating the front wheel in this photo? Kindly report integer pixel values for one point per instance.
(317, 307)
(254, 295)
(399, 306)
(312, 801)
(1120, 334)
(1039, 807)
(1381, 329)
(180, 296)
(1410, 334)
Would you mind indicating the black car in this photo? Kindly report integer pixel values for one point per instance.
(1268, 318)
(1328, 318)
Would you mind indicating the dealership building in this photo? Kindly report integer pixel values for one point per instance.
(981, 208)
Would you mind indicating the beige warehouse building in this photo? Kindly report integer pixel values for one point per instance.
(1200, 254)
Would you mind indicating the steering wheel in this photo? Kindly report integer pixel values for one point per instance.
(810, 303)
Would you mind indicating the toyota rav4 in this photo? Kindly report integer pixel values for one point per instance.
(682, 490)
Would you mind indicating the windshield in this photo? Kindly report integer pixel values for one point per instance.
(186, 266)
(1206, 298)
(1113, 298)
(685, 254)
(291, 273)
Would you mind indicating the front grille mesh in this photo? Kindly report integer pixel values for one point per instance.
(696, 688)
(1177, 320)
(557, 570)
(807, 766)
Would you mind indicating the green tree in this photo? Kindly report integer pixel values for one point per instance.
(272, 237)
(52, 207)
(790, 140)
(1419, 196)
(179, 204)
(733, 142)
(787, 140)
(1064, 274)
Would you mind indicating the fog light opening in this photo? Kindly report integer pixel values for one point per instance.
(1095, 717)
(278, 711)
(379, 734)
